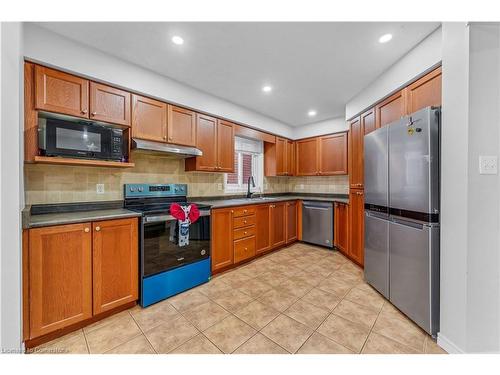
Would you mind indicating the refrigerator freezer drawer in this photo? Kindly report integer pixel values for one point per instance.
(377, 252)
(414, 272)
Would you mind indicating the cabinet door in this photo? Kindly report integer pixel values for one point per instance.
(115, 263)
(290, 158)
(278, 224)
(368, 121)
(291, 221)
(225, 146)
(307, 157)
(356, 153)
(181, 126)
(281, 167)
(391, 109)
(61, 92)
(341, 220)
(222, 238)
(60, 277)
(356, 226)
(206, 141)
(109, 104)
(333, 154)
(149, 119)
(424, 92)
(262, 227)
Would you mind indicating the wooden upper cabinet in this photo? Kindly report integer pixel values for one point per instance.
(262, 227)
(307, 157)
(291, 221)
(215, 139)
(181, 126)
(60, 277)
(368, 121)
(60, 92)
(206, 141)
(149, 119)
(424, 92)
(278, 224)
(333, 154)
(290, 158)
(356, 226)
(109, 104)
(222, 238)
(356, 153)
(390, 109)
(225, 146)
(281, 144)
(115, 263)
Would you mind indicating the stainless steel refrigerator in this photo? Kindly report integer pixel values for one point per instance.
(402, 214)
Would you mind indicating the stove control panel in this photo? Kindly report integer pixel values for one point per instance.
(154, 190)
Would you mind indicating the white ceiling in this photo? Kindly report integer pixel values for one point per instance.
(316, 66)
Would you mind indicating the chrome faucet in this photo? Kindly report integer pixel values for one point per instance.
(250, 178)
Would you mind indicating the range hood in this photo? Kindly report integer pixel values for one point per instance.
(165, 148)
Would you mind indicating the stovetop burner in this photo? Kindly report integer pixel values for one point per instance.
(155, 198)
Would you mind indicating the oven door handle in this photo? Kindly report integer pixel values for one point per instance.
(160, 218)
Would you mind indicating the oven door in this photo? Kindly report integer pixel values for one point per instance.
(160, 245)
(90, 141)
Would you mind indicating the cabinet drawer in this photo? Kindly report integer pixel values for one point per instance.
(244, 211)
(244, 232)
(244, 221)
(244, 249)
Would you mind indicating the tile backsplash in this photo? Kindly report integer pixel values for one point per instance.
(61, 184)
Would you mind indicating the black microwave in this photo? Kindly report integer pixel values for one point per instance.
(81, 140)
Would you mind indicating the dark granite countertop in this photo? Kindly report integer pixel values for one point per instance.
(220, 202)
(48, 215)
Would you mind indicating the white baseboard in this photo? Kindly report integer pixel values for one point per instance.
(447, 345)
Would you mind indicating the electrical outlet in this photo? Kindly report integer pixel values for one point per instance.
(488, 164)
(99, 188)
(219, 187)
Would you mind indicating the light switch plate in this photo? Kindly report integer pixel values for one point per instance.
(488, 164)
(99, 188)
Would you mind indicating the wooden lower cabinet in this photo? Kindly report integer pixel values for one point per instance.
(241, 233)
(115, 263)
(60, 277)
(76, 272)
(291, 222)
(222, 238)
(278, 224)
(262, 228)
(356, 226)
(341, 223)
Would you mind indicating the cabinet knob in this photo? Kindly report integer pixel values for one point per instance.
(94, 113)
(246, 248)
(164, 137)
(84, 111)
(86, 230)
(169, 138)
(97, 229)
(245, 232)
(244, 221)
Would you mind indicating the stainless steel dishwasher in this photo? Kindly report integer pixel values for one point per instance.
(317, 223)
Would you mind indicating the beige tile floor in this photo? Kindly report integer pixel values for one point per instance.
(301, 299)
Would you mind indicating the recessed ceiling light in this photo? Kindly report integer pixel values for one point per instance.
(177, 40)
(385, 38)
(267, 88)
(312, 113)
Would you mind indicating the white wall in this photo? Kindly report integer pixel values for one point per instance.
(454, 171)
(333, 125)
(483, 245)
(422, 58)
(52, 49)
(470, 203)
(11, 188)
